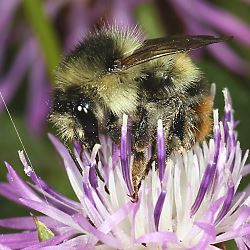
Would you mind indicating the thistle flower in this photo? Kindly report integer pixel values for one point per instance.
(190, 202)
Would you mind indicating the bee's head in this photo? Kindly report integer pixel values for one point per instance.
(74, 116)
(93, 63)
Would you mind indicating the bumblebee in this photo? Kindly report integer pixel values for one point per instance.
(112, 72)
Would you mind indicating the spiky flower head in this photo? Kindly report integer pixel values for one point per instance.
(190, 202)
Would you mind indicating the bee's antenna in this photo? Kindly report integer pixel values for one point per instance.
(22, 144)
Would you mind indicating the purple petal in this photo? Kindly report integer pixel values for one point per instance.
(222, 20)
(13, 78)
(207, 238)
(241, 244)
(218, 19)
(18, 237)
(52, 212)
(92, 172)
(246, 170)
(106, 239)
(38, 100)
(58, 200)
(158, 208)
(79, 23)
(192, 27)
(243, 231)
(2, 247)
(20, 186)
(3, 41)
(243, 216)
(7, 11)
(217, 137)
(224, 54)
(117, 217)
(227, 203)
(64, 153)
(88, 194)
(45, 189)
(6, 190)
(19, 240)
(194, 24)
(161, 150)
(93, 177)
(27, 223)
(52, 8)
(134, 212)
(53, 241)
(78, 147)
(78, 243)
(206, 180)
(228, 113)
(207, 228)
(74, 175)
(210, 171)
(81, 155)
(125, 156)
(58, 146)
(209, 215)
(123, 13)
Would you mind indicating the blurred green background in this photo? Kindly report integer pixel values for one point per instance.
(33, 18)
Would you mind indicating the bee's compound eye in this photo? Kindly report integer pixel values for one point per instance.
(79, 108)
(83, 108)
(86, 120)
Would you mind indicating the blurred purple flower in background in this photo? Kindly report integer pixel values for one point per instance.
(27, 59)
(189, 203)
(202, 17)
(71, 20)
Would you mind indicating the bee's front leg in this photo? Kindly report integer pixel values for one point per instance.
(140, 142)
(138, 172)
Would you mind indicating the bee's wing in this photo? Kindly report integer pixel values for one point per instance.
(155, 48)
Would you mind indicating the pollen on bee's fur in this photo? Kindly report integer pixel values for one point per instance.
(65, 125)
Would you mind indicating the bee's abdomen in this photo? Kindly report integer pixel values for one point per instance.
(198, 88)
(204, 110)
